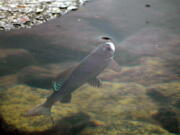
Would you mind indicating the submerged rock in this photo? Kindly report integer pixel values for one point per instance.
(41, 76)
(151, 70)
(151, 41)
(12, 60)
(8, 81)
(36, 77)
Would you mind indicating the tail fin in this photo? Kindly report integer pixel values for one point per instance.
(39, 110)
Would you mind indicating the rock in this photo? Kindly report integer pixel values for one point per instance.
(151, 70)
(8, 81)
(148, 57)
(171, 56)
(150, 41)
(36, 77)
(12, 60)
(42, 77)
(54, 46)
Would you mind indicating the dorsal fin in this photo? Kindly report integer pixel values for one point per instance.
(61, 78)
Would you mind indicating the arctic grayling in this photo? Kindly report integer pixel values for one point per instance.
(74, 77)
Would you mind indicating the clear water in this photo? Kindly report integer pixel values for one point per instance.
(141, 98)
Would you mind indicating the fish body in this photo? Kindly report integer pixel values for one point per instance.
(71, 79)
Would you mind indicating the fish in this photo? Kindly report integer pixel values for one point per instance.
(86, 71)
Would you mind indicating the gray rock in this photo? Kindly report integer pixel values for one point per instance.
(12, 60)
(36, 76)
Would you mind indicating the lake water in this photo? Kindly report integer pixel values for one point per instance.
(139, 95)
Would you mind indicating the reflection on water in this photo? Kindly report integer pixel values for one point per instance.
(142, 98)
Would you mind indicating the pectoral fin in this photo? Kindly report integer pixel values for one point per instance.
(96, 82)
(57, 86)
(61, 78)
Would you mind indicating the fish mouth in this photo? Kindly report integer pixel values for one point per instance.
(110, 46)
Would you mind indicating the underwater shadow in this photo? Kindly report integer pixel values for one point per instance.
(70, 125)
(168, 119)
(166, 116)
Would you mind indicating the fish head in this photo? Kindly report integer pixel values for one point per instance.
(106, 49)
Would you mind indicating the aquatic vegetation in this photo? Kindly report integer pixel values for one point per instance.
(130, 104)
(115, 108)
(8, 81)
(168, 118)
(165, 93)
(125, 127)
(130, 107)
(14, 103)
(151, 70)
(166, 96)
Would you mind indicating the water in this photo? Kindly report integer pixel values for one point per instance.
(141, 98)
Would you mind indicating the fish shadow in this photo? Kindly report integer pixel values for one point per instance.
(70, 125)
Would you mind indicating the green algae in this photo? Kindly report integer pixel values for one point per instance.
(115, 108)
(168, 93)
(151, 70)
(125, 127)
(15, 102)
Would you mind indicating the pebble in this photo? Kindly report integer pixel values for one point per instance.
(24, 14)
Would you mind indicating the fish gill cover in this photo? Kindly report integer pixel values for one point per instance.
(26, 13)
